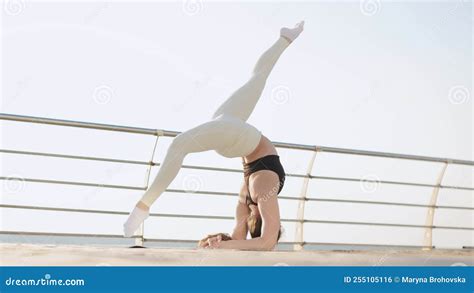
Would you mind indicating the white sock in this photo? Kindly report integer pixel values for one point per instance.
(136, 218)
(292, 33)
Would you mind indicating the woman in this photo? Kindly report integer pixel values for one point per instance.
(229, 135)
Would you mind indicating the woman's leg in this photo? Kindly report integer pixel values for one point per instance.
(242, 102)
(208, 136)
(216, 135)
(213, 135)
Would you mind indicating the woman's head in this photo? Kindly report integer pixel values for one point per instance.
(254, 224)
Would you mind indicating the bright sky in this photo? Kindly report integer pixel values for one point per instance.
(383, 76)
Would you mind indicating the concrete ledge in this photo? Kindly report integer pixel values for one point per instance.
(78, 255)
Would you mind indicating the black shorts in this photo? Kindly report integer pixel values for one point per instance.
(270, 162)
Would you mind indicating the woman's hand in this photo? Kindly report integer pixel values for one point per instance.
(213, 241)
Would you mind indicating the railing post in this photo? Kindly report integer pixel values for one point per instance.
(299, 232)
(150, 164)
(428, 234)
(140, 241)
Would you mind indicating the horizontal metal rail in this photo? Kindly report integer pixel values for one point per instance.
(74, 183)
(115, 236)
(56, 234)
(28, 233)
(209, 217)
(108, 212)
(391, 182)
(89, 125)
(36, 180)
(233, 194)
(224, 169)
(387, 225)
(149, 131)
(100, 185)
(367, 245)
(62, 156)
(415, 205)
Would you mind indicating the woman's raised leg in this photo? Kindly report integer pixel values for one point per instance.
(242, 102)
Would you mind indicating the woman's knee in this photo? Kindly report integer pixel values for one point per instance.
(179, 143)
(180, 138)
(259, 78)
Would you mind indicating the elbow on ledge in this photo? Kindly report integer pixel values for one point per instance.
(268, 244)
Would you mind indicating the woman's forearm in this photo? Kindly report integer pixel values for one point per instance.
(258, 243)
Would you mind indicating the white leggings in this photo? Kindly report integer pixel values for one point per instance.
(227, 133)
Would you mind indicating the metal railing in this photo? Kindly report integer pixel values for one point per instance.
(300, 220)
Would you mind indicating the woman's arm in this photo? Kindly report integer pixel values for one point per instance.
(258, 243)
(242, 212)
(269, 211)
